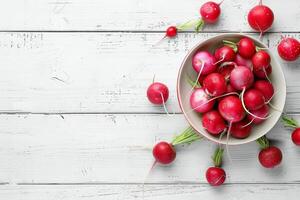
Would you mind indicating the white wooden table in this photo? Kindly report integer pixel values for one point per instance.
(75, 122)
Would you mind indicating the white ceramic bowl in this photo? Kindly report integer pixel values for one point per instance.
(194, 118)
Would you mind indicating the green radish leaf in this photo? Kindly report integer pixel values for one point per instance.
(289, 122)
(188, 136)
(217, 157)
(263, 142)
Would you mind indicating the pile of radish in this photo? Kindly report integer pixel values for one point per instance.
(235, 91)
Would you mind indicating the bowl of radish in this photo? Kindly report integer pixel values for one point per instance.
(231, 89)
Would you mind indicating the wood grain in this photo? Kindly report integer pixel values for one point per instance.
(157, 192)
(116, 148)
(135, 15)
(100, 72)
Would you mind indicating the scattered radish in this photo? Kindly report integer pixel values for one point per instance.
(269, 156)
(292, 123)
(171, 31)
(216, 176)
(289, 49)
(210, 12)
(200, 101)
(231, 109)
(266, 88)
(214, 84)
(158, 93)
(246, 47)
(260, 18)
(241, 129)
(258, 116)
(254, 99)
(261, 60)
(213, 122)
(241, 78)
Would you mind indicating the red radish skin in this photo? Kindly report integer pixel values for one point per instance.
(270, 157)
(262, 113)
(289, 49)
(241, 78)
(265, 87)
(246, 48)
(230, 88)
(261, 60)
(200, 102)
(226, 70)
(231, 109)
(213, 122)
(254, 99)
(296, 136)
(171, 31)
(263, 74)
(260, 18)
(164, 153)
(241, 130)
(158, 93)
(210, 12)
(215, 176)
(214, 84)
(225, 54)
(240, 61)
(203, 59)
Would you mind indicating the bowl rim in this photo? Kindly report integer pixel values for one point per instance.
(196, 46)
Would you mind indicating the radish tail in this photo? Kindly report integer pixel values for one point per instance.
(223, 57)
(260, 2)
(267, 77)
(220, 2)
(275, 108)
(165, 107)
(248, 123)
(147, 175)
(153, 79)
(220, 137)
(159, 41)
(227, 139)
(247, 111)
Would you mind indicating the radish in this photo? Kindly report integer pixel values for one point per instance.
(261, 60)
(226, 68)
(241, 129)
(292, 123)
(241, 78)
(289, 49)
(258, 116)
(269, 156)
(225, 54)
(230, 88)
(204, 63)
(213, 122)
(216, 176)
(210, 12)
(263, 74)
(246, 47)
(254, 99)
(158, 93)
(260, 18)
(231, 109)
(171, 31)
(240, 61)
(214, 84)
(200, 101)
(266, 88)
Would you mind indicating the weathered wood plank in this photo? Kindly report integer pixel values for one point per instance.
(147, 15)
(117, 149)
(99, 72)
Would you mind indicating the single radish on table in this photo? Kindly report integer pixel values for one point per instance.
(260, 18)
(289, 49)
(158, 93)
(216, 175)
(292, 123)
(269, 156)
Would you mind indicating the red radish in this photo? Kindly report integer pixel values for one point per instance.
(240, 61)
(204, 63)
(241, 129)
(292, 123)
(214, 84)
(210, 12)
(171, 31)
(261, 114)
(200, 101)
(231, 109)
(241, 78)
(289, 49)
(225, 54)
(260, 18)
(213, 122)
(269, 156)
(261, 60)
(226, 68)
(158, 93)
(263, 74)
(266, 88)
(216, 176)
(254, 99)
(230, 88)
(164, 153)
(246, 48)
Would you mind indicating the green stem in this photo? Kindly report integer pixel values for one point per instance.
(217, 157)
(289, 122)
(263, 142)
(188, 136)
(231, 44)
(197, 24)
(192, 83)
